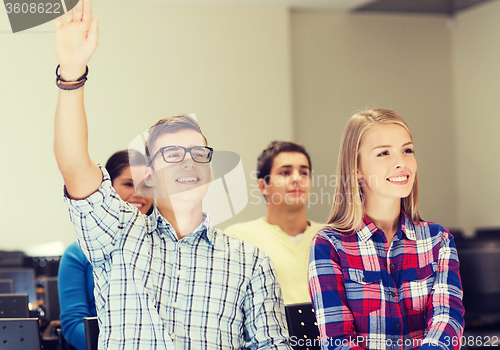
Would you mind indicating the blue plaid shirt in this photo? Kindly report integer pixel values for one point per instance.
(154, 291)
(373, 294)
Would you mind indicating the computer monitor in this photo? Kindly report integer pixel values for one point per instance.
(479, 261)
(14, 306)
(24, 280)
(43, 265)
(6, 286)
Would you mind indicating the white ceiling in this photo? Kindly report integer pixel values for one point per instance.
(340, 5)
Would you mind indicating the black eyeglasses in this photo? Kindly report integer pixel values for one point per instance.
(176, 154)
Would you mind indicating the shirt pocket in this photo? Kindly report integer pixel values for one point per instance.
(363, 290)
(417, 285)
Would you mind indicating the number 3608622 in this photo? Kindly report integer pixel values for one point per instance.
(33, 7)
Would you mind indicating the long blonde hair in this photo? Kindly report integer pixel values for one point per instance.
(347, 210)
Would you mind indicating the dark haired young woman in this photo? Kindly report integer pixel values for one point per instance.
(76, 282)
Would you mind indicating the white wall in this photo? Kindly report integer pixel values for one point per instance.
(253, 75)
(344, 63)
(476, 54)
(229, 65)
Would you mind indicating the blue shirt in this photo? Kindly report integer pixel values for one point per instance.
(76, 294)
(154, 291)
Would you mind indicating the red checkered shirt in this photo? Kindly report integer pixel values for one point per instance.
(368, 293)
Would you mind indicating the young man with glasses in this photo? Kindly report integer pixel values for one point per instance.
(169, 280)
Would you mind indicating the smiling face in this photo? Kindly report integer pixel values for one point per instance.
(387, 165)
(289, 180)
(185, 180)
(124, 186)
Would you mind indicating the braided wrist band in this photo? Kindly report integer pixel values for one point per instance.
(71, 85)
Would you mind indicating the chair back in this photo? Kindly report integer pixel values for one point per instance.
(51, 298)
(19, 333)
(91, 332)
(302, 326)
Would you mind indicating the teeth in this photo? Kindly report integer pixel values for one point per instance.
(398, 179)
(187, 179)
(138, 205)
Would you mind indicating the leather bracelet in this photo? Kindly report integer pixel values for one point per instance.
(71, 85)
(83, 77)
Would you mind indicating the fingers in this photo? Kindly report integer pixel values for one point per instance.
(78, 11)
(93, 32)
(58, 22)
(82, 11)
(69, 14)
(87, 10)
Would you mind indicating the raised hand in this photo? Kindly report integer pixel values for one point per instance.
(76, 40)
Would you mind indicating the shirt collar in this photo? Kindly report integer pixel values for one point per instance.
(368, 228)
(408, 228)
(203, 231)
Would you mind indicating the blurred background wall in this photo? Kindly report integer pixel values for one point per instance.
(254, 74)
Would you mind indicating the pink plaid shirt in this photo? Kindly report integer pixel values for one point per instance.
(367, 294)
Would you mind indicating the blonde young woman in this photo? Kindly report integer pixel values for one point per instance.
(380, 277)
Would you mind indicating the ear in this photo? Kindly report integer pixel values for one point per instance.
(149, 179)
(263, 187)
(358, 175)
(361, 180)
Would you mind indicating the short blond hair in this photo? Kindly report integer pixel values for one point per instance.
(347, 210)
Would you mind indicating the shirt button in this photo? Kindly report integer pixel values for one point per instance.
(398, 325)
(393, 294)
(391, 266)
(179, 272)
(174, 304)
(172, 336)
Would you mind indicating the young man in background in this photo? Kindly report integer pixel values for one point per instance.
(285, 234)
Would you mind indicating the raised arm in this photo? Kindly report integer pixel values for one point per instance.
(76, 41)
